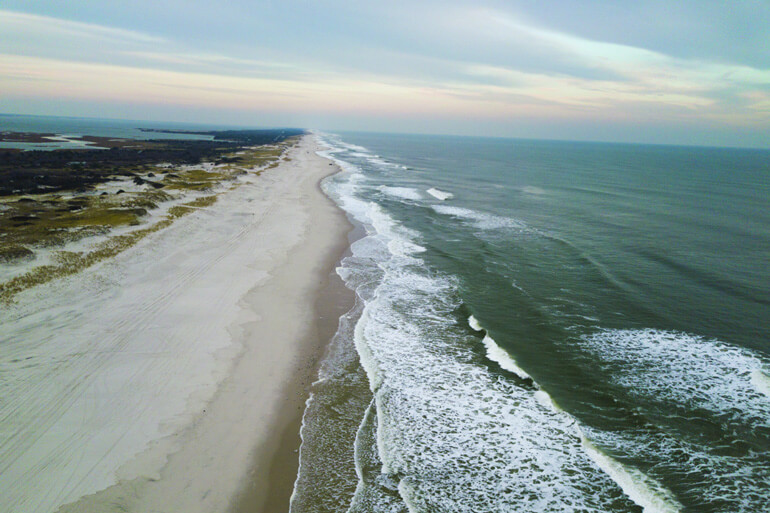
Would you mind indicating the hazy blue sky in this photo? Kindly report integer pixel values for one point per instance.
(688, 72)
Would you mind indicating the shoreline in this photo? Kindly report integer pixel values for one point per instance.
(271, 493)
(216, 327)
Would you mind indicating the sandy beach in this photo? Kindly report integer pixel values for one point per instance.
(173, 377)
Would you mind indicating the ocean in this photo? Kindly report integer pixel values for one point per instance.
(545, 326)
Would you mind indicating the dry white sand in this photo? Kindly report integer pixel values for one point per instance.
(158, 381)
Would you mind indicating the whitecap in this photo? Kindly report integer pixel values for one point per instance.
(440, 195)
(401, 192)
(681, 369)
(501, 357)
(640, 488)
(761, 381)
(480, 220)
(545, 400)
(496, 353)
(685, 376)
(355, 148)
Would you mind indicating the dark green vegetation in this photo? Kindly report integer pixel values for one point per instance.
(25, 137)
(244, 137)
(63, 201)
(47, 171)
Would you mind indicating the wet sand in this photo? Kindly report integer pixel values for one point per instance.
(270, 483)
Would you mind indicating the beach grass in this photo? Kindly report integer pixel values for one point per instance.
(70, 262)
(56, 220)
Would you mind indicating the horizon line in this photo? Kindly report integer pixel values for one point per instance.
(386, 132)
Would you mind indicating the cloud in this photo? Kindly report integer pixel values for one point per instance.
(190, 58)
(33, 25)
(635, 76)
(205, 62)
(455, 61)
(22, 76)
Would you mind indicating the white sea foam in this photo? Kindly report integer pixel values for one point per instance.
(545, 399)
(379, 161)
(375, 491)
(359, 152)
(683, 369)
(761, 381)
(647, 493)
(439, 417)
(447, 427)
(440, 195)
(474, 323)
(402, 192)
(480, 220)
(641, 489)
(498, 355)
(697, 379)
(355, 148)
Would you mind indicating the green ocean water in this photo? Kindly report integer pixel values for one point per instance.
(549, 326)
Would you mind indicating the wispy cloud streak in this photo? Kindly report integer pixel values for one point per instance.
(35, 25)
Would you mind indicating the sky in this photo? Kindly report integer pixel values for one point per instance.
(672, 72)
